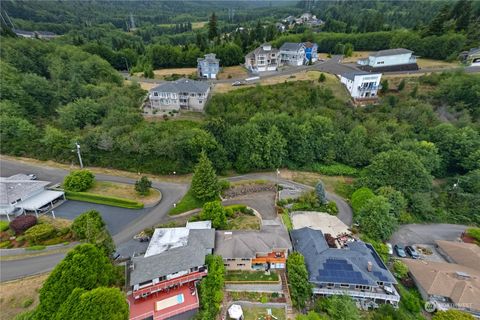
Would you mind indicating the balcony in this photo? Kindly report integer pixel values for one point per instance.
(369, 88)
(395, 297)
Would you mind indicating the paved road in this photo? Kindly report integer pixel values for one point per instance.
(410, 234)
(15, 269)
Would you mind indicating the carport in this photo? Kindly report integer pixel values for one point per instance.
(40, 200)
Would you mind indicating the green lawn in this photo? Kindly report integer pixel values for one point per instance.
(250, 276)
(244, 222)
(287, 221)
(255, 313)
(188, 202)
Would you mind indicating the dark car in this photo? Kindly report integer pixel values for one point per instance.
(412, 252)
(400, 251)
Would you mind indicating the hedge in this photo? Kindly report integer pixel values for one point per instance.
(39, 232)
(101, 199)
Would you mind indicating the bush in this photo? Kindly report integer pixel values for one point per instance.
(474, 233)
(400, 269)
(22, 223)
(27, 303)
(143, 186)
(4, 225)
(224, 185)
(360, 197)
(336, 169)
(331, 208)
(410, 300)
(39, 232)
(101, 199)
(79, 180)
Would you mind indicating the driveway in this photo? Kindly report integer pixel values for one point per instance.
(115, 218)
(263, 202)
(410, 234)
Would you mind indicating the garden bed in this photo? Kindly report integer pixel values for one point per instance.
(250, 276)
(262, 297)
(242, 218)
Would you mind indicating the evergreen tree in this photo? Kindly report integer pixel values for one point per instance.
(212, 27)
(320, 191)
(437, 27)
(143, 186)
(205, 185)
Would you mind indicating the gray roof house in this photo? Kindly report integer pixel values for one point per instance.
(19, 193)
(356, 270)
(208, 67)
(180, 94)
(172, 253)
(263, 58)
(398, 59)
(292, 53)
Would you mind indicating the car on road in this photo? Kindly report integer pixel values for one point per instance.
(400, 251)
(412, 252)
(238, 83)
(390, 248)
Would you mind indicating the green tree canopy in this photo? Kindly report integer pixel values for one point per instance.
(205, 182)
(300, 287)
(90, 226)
(452, 315)
(79, 180)
(211, 288)
(339, 307)
(84, 267)
(215, 212)
(360, 197)
(376, 219)
(143, 186)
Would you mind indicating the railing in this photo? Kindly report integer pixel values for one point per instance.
(368, 88)
(168, 283)
(360, 294)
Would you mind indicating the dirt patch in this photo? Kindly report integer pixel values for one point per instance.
(234, 72)
(20, 295)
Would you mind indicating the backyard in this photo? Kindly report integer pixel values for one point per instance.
(256, 313)
(250, 276)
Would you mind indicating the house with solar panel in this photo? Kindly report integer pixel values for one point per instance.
(355, 270)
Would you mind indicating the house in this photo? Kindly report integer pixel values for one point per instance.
(471, 57)
(319, 221)
(280, 27)
(20, 194)
(361, 84)
(389, 60)
(311, 52)
(264, 58)
(163, 281)
(208, 67)
(356, 270)
(181, 94)
(447, 285)
(292, 54)
(465, 254)
(289, 20)
(253, 250)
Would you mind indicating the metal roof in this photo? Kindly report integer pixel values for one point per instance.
(390, 52)
(291, 46)
(19, 186)
(39, 200)
(182, 85)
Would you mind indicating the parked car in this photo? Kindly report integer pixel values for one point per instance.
(32, 176)
(412, 252)
(238, 83)
(400, 251)
(390, 248)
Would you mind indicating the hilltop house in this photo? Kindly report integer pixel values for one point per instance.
(292, 54)
(454, 284)
(163, 280)
(361, 84)
(264, 58)
(208, 67)
(356, 270)
(181, 94)
(253, 250)
(389, 60)
(20, 194)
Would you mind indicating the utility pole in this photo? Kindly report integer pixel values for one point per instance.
(79, 155)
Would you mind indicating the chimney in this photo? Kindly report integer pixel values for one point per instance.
(369, 266)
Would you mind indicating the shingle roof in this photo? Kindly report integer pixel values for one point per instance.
(18, 186)
(260, 50)
(459, 283)
(348, 266)
(182, 85)
(390, 52)
(465, 254)
(246, 244)
(351, 75)
(291, 46)
(209, 57)
(178, 258)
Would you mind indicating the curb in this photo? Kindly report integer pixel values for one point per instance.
(20, 251)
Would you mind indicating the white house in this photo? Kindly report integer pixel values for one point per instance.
(181, 94)
(292, 54)
(391, 58)
(264, 58)
(361, 84)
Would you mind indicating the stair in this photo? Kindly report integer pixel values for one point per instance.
(286, 292)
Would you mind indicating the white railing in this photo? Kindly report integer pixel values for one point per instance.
(360, 294)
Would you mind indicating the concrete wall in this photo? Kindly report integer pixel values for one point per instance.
(238, 264)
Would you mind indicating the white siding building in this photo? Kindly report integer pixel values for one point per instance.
(389, 58)
(181, 94)
(361, 85)
(292, 54)
(264, 58)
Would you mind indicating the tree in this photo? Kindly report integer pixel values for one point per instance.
(215, 212)
(84, 267)
(397, 201)
(143, 186)
(100, 303)
(322, 77)
(360, 197)
(401, 85)
(384, 85)
(205, 185)
(400, 269)
(211, 288)
(79, 180)
(400, 169)
(300, 287)
(376, 219)
(320, 191)
(339, 307)
(452, 315)
(90, 226)
(212, 27)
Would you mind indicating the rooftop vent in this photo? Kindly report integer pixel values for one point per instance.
(369, 266)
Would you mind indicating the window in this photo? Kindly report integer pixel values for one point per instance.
(330, 285)
(344, 285)
(240, 264)
(244, 259)
(200, 101)
(155, 93)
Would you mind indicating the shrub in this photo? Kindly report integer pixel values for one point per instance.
(39, 232)
(224, 185)
(101, 199)
(143, 186)
(331, 208)
(4, 225)
(400, 269)
(360, 197)
(474, 233)
(27, 303)
(410, 300)
(5, 244)
(22, 223)
(321, 78)
(79, 180)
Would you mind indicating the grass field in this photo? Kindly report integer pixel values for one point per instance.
(255, 313)
(429, 63)
(244, 222)
(198, 24)
(356, 56)
(250, 276)
(188, 202)
(233, 72)
(123, 190)
(20, 295)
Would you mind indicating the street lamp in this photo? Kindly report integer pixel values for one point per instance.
(79, 155)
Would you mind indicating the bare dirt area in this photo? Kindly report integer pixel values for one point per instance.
(162, 73)
(233, 72)
(20, 295)
(356, 56)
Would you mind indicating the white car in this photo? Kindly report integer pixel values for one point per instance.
(390, 248)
